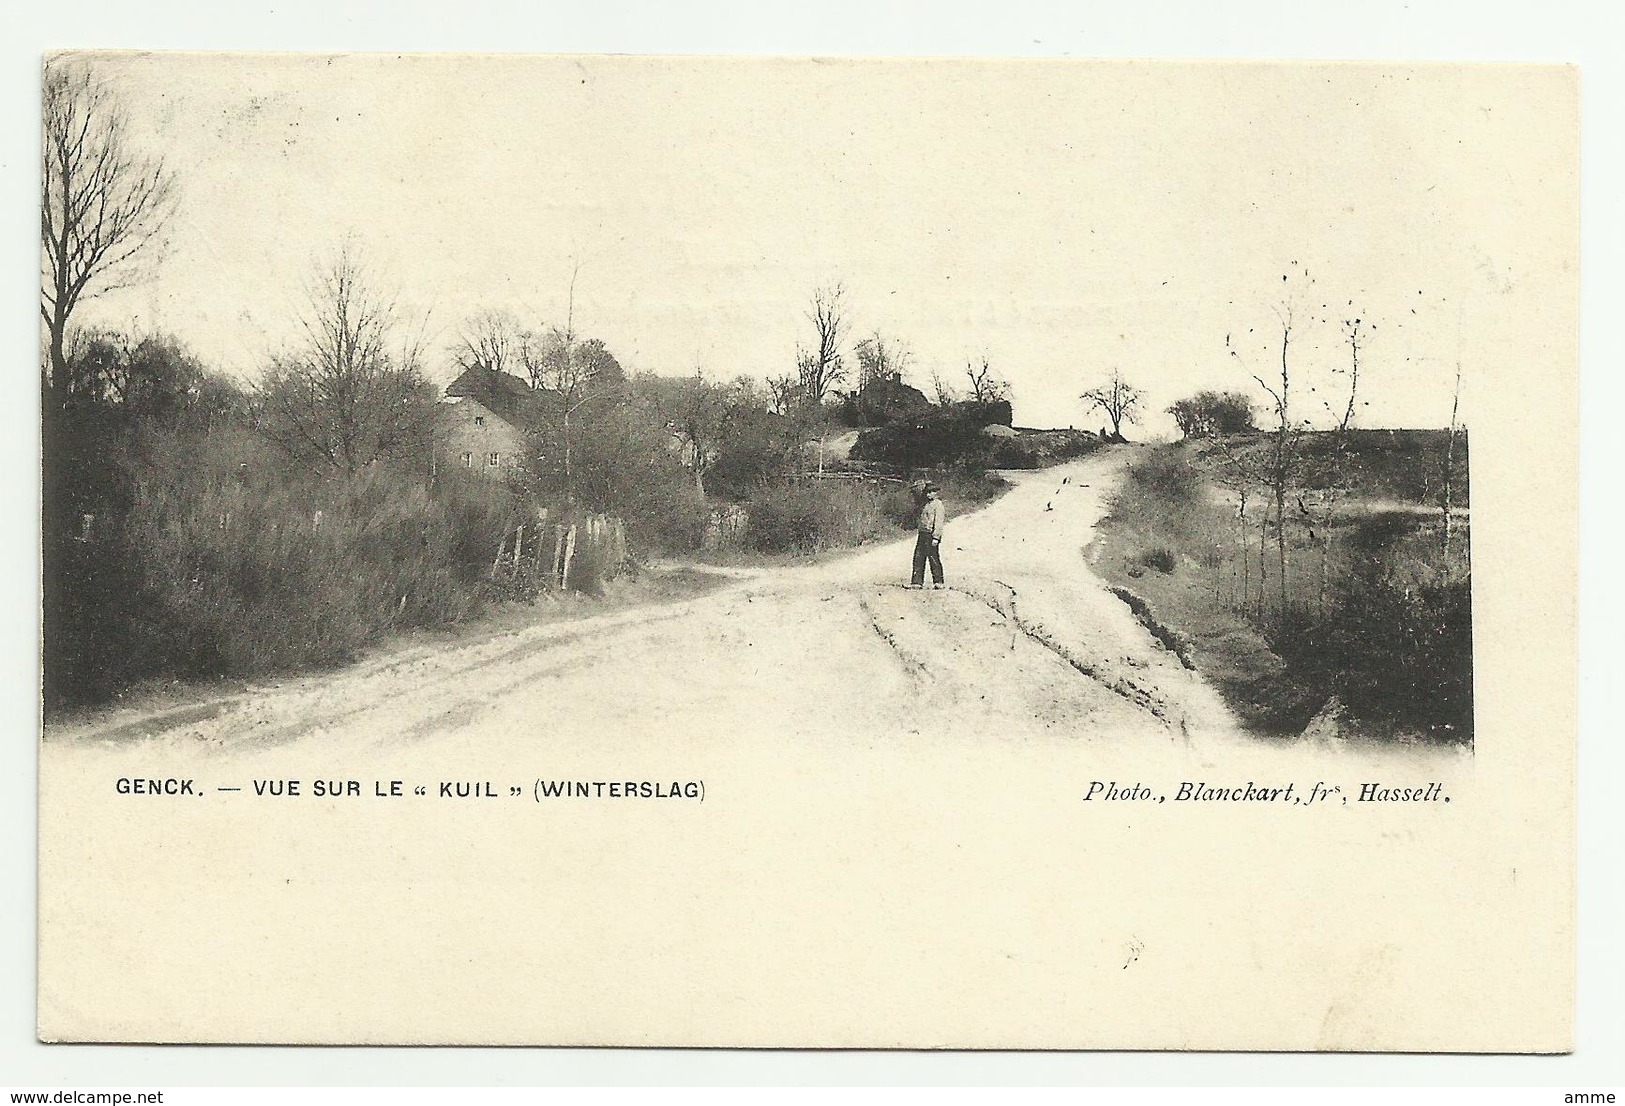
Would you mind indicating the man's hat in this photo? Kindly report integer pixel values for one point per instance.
(932, 486)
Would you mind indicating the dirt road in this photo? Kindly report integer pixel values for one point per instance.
(866, 753)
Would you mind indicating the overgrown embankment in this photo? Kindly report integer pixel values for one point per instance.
(178, 553)
(958, 437)
(1372, 620)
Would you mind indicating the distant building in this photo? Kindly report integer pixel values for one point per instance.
(483, 421)
(886, 399)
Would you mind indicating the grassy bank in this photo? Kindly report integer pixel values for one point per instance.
(1376, 615)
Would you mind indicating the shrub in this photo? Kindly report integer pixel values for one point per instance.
(946, 437)
(220, 563)
(807, 516)
(1211, 414)
(1010, 453)
(1400, 645)
(1161, 558)
(1166, 475)
(591, 568)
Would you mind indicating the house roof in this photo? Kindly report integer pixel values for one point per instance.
(502, 393)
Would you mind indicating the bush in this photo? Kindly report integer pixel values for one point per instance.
(946, 437)
(1211, 414)
(1399, 646)
(287, 574)
(591, 568)
(214, 561)
(808, 516)
(1012, 453)
(1161, 558)
(1166, 475)
(811, 515)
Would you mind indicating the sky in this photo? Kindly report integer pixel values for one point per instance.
(1063, 219)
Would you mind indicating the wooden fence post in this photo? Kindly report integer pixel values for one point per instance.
(501, 545)
(569, 554)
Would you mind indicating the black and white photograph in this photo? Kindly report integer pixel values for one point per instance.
(745, 552)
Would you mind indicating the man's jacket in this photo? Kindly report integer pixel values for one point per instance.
(932, 518)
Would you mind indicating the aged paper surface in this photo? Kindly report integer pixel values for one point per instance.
(883, 832)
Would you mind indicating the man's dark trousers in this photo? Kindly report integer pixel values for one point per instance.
(925, 551)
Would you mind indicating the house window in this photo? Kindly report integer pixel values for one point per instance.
(468, 460)
(479, 420)
(491, 459)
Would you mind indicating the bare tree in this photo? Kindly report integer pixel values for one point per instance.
(880, 358)
(1356, 332)
(566, 381)
(339, 397)
(1119, 399)
(1286, 436)
(102, 202)
(701, 410)
(1238, 477)
(572, 376)
(1446, 500)
(555, 366)
(491, 340)
(783, 391)
(942, 390)
(985, 388)
(820, 368)
(547, 355)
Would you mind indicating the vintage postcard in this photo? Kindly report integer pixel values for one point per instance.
(837, 553)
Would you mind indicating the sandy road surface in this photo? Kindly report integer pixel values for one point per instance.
(868, 754)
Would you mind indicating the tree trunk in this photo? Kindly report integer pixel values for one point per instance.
(59, 358)
(1246, 562)
(1280, 536)
(569, 476)
(1263, 557)
(1325, 568)
(1450, 460)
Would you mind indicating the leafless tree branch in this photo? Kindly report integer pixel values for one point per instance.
(102, 203)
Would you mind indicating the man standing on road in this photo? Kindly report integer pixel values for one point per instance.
(928, 541)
